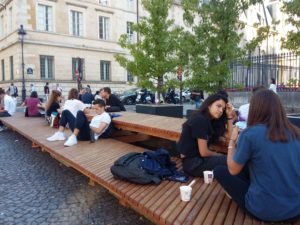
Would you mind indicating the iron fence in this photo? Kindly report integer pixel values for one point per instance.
(258, 70)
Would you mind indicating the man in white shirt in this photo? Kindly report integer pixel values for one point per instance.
(9, 108)
(90, 131)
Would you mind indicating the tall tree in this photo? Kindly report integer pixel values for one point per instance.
(215, 39)
(154, 54)
(292, 41)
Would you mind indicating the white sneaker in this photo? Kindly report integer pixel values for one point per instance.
(57, 136)
(72, 140)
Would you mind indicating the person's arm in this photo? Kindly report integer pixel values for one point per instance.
(230, 118)
(233, 167)
(99, 129)
(203, 149)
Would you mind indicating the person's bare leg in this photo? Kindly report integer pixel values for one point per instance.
(76, 132)
(61, 129)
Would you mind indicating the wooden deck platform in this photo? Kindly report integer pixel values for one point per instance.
(161, 204)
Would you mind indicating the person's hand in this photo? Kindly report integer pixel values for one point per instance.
(107, 106)
(229, 110)
(235, 134)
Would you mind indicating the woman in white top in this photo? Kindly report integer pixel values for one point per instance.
(272, 86)
(68, 116)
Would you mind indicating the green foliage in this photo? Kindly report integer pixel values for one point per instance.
(215, 40)
(292, 41)
(154, 54)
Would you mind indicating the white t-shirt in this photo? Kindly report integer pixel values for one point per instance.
(273, 88)
(97, 120)
(74, 105)
(243, 112)
(9, 105)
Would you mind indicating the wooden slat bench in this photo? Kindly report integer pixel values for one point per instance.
(161, 204)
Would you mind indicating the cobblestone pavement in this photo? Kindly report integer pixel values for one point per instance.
(35, 189)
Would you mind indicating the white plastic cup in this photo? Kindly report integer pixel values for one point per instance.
(208, 176)
(185, 193)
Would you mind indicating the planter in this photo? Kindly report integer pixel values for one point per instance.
(295, 119)
(161, 110)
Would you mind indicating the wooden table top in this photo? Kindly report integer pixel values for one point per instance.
(158, 126)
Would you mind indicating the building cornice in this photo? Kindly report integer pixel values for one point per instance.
(76, 5)
(104, 11)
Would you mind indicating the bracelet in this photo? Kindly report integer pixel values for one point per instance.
(234, 140)
(230, 118)
(230, 147)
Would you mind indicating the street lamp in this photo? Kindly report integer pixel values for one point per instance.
(21, 34)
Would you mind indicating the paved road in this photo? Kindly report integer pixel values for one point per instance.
(35, 189)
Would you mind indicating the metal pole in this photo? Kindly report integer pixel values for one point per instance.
(23, 68)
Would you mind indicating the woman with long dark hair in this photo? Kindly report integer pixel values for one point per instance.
(270, 149)
(206, 126)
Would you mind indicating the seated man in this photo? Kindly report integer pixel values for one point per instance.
(82, 129)
(9, 106)
(113, 103)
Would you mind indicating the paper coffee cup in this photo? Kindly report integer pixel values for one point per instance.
(185, 193)
(208, 176)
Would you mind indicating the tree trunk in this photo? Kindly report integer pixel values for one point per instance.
(160, 85)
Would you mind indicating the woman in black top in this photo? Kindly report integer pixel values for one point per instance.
(212, 121)
(53, 103)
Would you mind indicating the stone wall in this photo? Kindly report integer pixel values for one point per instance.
(290, 100)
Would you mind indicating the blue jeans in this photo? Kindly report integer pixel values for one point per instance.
(198, 103)
(4, 114)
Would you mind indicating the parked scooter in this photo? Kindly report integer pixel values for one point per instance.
(144, 97)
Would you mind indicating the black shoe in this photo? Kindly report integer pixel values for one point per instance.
(92, 136)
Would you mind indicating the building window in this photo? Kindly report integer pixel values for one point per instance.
(103, 28)
(10, 20)
(129, 77)
(104, 70)
(11, 65)
(1, 26)
(3, 69)
(47, 67)
(76, 23)
(44, 18)
(78, 68)
(104, 2)
(130, 32)
(130, 5)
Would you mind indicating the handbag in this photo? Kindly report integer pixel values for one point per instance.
(54, 120)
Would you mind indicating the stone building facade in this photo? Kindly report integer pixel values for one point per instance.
(64, 37)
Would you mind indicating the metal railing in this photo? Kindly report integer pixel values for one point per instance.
(258, 70)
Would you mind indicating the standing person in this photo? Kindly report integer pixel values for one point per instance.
(68, 116)
(13, 90)
(58, 88)
(205, 127)
(84, 130)
(32, 88)
(197, 96)
(47, 91)
(33, 104)
(270, 149)
(89, 89)
(113, 103)
(9, 106)
(273, 86)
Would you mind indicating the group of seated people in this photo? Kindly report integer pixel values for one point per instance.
(7, 106)
(261, 171)
(74, 113)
